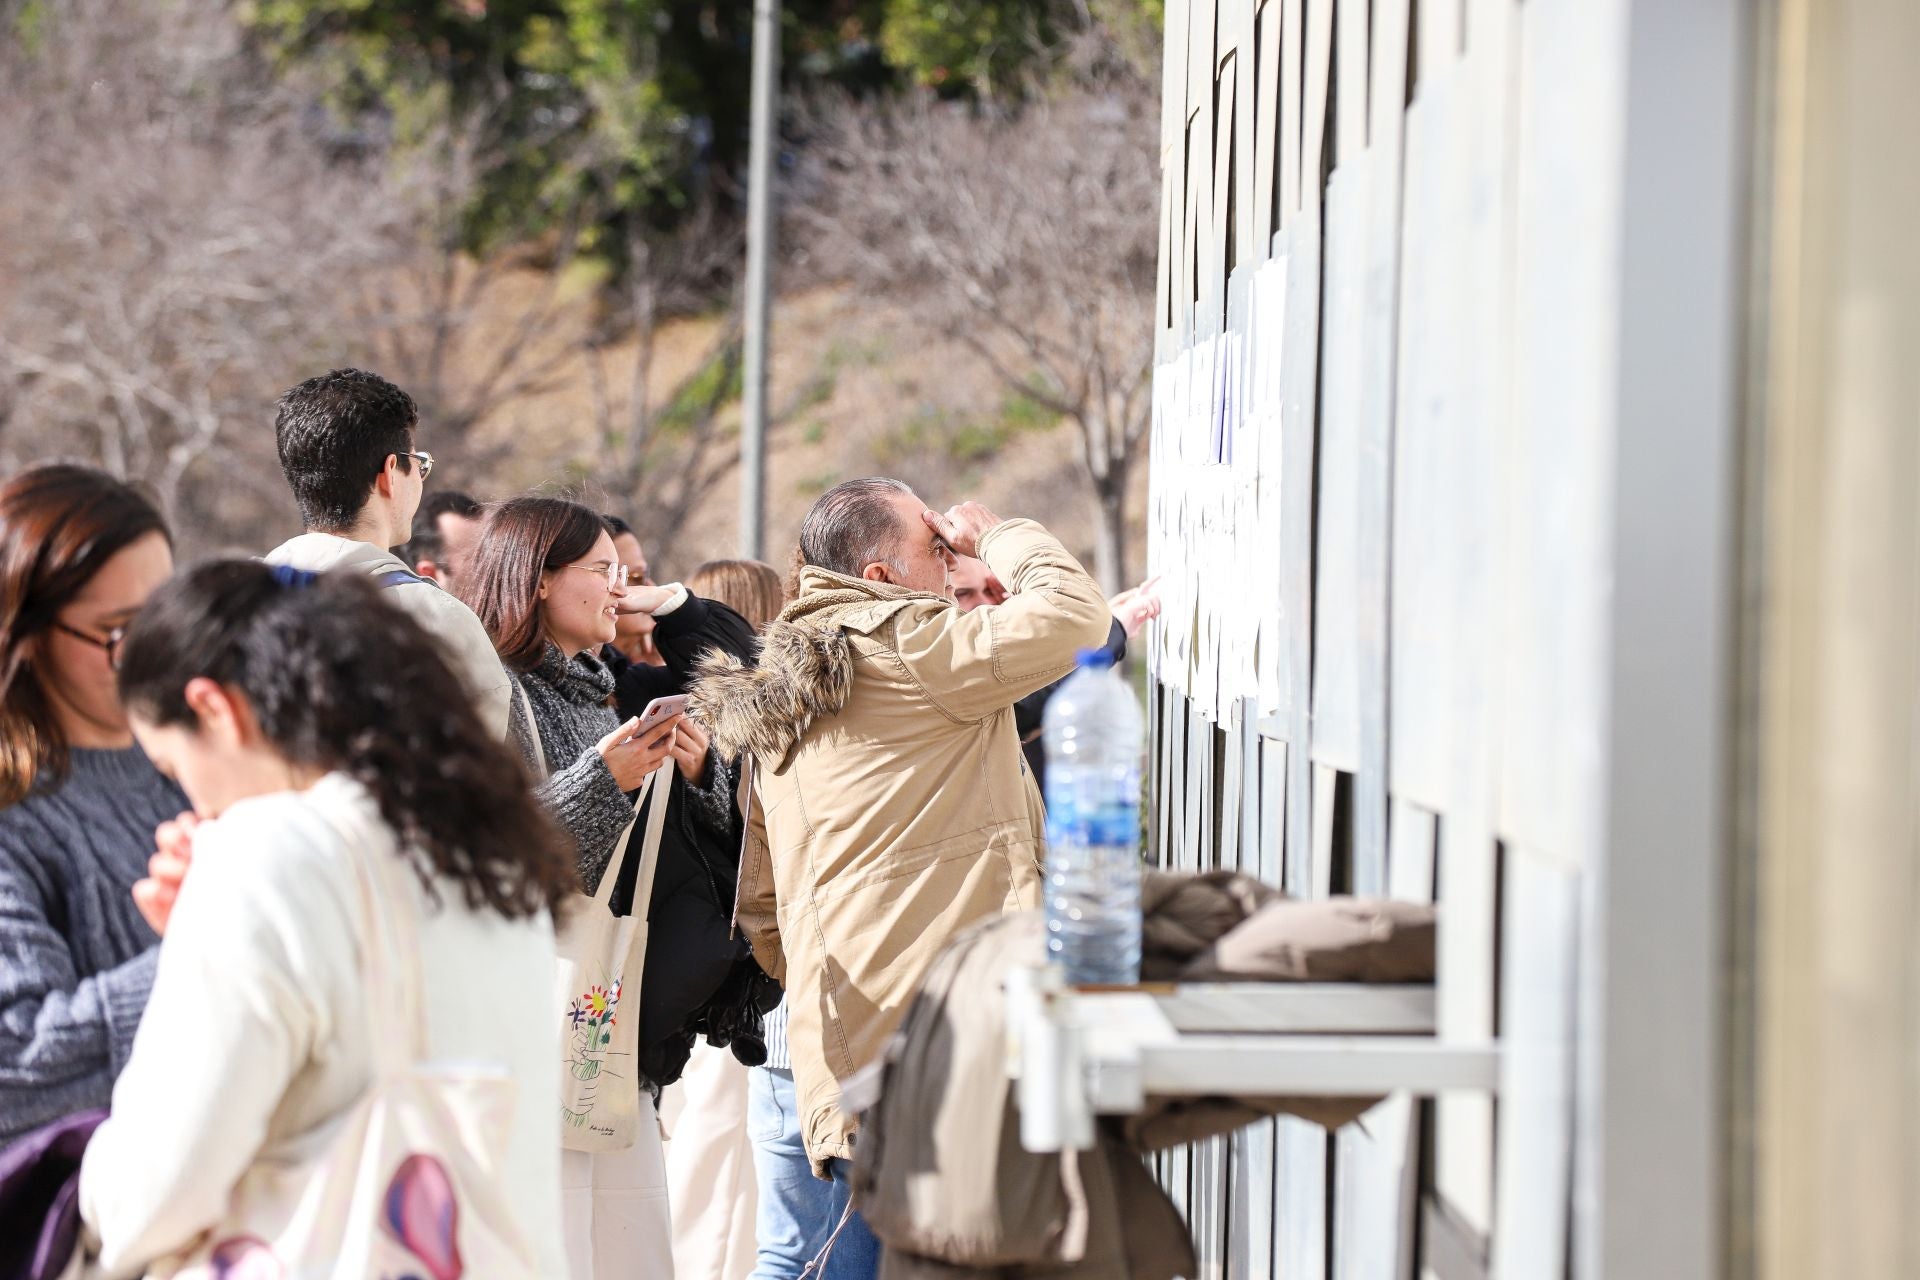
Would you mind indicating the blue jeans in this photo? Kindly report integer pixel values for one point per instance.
(797, 1210)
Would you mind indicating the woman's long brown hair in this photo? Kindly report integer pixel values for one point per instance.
(59, 525)
(523, 539)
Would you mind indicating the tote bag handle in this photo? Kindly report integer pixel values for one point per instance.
(659, 784)
(659, 781)
(533, 726)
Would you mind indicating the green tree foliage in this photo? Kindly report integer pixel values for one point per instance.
(597, 115)
(637, 106)
(974, 44)
(996, 48)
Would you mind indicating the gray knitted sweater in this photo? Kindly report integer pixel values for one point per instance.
(569, 701)
(76, 959)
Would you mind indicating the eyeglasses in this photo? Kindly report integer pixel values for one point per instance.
(616, 574)
(424, 458)
(110, 643)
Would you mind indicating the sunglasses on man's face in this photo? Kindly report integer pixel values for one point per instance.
(422, 457)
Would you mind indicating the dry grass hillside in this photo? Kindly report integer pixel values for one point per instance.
(857, 391)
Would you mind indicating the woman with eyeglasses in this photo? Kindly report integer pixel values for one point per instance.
(548, 584)
(79, 554)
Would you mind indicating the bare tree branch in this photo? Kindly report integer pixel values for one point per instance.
(1028, 236)
(173, 241)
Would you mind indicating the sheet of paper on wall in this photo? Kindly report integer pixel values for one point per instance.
(1207, 433)
(1270, 294)
(1166, 380)
(1157, 479)
(1267, 681)
(1202, 403)
(1258, 383)
(1252, 566)
(1223, 401)
(1244, 611)
(1169, 556)
(1218, 424)
(1173, 593)
(1233, 399)
(1270, 302)
(1236, 572)
(1245, 417)
(1195, 581)
(1202, 532)
(1168, 567)
(1229, 595)
(1167, 624)
(1207, 487)
(1171, 414)
(1205, 666)
(1270, 610)
(1182, 405)
(1177, 594)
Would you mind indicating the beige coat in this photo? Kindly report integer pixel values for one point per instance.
(463, 639)
(890, 799)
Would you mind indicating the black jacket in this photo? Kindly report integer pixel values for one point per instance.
(683, 637)
(699, 978)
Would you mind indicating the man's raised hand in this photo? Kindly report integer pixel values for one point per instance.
(962, 526)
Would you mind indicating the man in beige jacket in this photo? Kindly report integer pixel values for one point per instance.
(890, 804)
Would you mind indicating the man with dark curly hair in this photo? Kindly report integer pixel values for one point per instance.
(347, 450)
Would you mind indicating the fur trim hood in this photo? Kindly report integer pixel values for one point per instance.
(804, 673)
(805, 670)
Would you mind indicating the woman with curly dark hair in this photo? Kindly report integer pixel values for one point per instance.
(322, 738)
(79, 802)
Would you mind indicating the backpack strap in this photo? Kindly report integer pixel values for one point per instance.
(400, 578)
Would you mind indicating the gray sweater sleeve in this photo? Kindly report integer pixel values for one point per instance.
(583, 798)
(593, 809)
(63, 1038)
(710, 804)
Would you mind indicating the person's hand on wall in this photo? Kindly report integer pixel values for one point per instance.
(166, 870)
(1134, 606)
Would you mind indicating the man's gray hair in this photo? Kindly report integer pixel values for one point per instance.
(852, 525)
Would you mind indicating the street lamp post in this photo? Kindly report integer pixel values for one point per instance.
(753, 429)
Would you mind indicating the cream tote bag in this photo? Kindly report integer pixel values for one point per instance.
(598, 986)
(407, 1182)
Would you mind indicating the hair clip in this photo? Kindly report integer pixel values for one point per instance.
(293, 579)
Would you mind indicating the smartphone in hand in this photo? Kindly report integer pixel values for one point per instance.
(659, 711)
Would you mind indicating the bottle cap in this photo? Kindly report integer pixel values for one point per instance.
(1095, 659)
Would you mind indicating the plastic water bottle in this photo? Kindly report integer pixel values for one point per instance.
(1094, 740)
